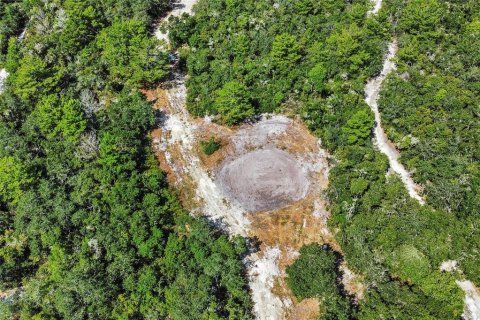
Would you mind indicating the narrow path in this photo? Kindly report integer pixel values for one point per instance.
(3, 78)
(372, 95)
(377, 5)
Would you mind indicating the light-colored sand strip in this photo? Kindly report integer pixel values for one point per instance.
(377, 5)
(472, 294)
(372, 95)
(3, 78)
(262, 276)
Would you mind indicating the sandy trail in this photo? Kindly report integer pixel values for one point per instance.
(472, 300)
(3, 78)
(262, 276)
(372, 95)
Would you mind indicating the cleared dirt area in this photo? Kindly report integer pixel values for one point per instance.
(266, 182)
(264, 179)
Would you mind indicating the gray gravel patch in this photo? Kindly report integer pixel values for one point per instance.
(263, 179)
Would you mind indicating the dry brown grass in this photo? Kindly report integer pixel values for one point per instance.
(307, 309)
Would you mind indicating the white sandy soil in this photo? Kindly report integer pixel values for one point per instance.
(3, 78)
(372, 95)
(472, 300)
(262, 276)
(377, 5)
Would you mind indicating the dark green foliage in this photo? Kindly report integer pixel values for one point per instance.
(130, 54)
(314, 275)
(279, 53)
(359, 126)
(233, 104)
(286, 52)
(210, 146)
(12, 21)
(88, 227)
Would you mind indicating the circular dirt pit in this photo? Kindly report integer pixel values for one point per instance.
(264, 179)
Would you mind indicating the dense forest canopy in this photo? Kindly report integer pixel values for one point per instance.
(88, 227)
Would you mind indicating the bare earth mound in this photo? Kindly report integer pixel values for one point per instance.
(264, 179)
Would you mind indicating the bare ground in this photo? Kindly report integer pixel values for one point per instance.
(3, 78)
(372, 95)
(263, 179)
(472, 300)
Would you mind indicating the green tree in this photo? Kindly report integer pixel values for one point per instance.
(13, 179)
(422, 17)
(314, 275)
(317, 76)
(359, 127)
(83, 23)
(344, 50)
(286, 52)
(130, 55)
(30, 77)
(60, 117)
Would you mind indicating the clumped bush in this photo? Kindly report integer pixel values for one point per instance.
(210, 146)
(314, 275)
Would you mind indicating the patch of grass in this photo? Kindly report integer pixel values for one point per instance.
(210, 146)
